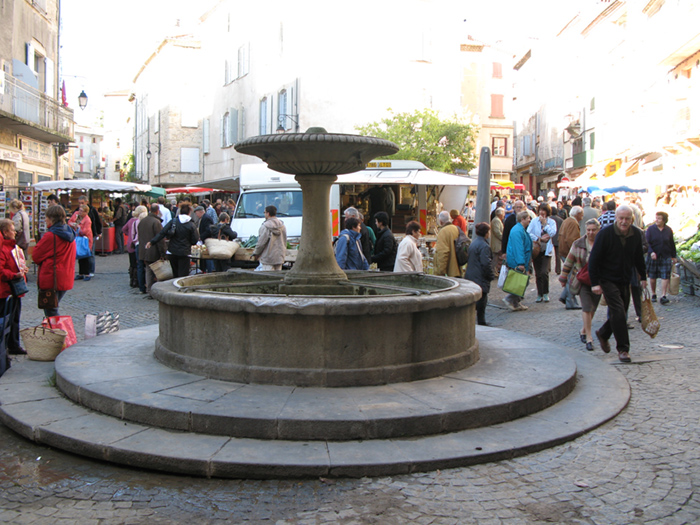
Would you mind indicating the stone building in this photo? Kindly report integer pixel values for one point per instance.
(35, 128)
(88, 160)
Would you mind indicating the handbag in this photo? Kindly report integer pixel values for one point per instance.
(65, 323)
(42, 343)
(221, 249)
(82, 247)
(163, 270)
(18, 287)
(502, 275)
(536, 249)
(675, 283)
(650, 323)
(48, 299)
(516, 282)
(583, 276)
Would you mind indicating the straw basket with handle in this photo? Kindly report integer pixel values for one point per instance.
(221, 248)
(163, 270)
(43, 343)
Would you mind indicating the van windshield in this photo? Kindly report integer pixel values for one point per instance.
(253, 204)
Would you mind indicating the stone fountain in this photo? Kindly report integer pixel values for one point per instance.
(311, 372)
(316, 325)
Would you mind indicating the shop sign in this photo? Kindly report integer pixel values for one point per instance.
(10, 156)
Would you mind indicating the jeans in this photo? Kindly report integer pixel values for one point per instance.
(50, 312)
(119, 237)
(566, 296)
(618, 298)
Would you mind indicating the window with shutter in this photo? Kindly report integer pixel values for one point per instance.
(282, 108)
(263, 117)
(233, 127)
(497, 70)
(243, 60)
(189, 160)
(225, 129)
(205, 135)
(497, 106)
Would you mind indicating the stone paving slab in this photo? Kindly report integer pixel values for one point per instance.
(504, 385)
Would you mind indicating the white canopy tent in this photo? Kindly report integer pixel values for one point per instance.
(99, 185)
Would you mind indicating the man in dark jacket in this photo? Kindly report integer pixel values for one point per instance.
(148, 228)
(385, 248)
(96, 227)
(119, 221)
(616, 253)
(480, 268)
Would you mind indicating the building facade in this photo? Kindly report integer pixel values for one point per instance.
(35, 128)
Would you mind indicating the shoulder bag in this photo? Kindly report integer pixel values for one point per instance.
(583, 276)
(48, 299)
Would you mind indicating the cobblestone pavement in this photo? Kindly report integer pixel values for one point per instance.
(642, 467)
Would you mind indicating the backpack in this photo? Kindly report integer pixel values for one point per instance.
(462, 247)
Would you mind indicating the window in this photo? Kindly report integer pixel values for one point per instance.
(497, 106)
(81, 153)
(243, 60)
(253, 204)
(205, 135)
(229, 128)
(225, 130)
(577, 146)
(189, 117)
(527, 148)
(497, 70)
(593, 104)
(499, 146)
(189, 160)
(94, 140)
(264, 121)
(227, 72)
(591, 141)
(82, 139)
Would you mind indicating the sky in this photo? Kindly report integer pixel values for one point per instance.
(105, 42)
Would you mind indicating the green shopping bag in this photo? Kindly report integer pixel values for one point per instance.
(516, 282)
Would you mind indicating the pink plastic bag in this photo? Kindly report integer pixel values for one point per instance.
(64, 322)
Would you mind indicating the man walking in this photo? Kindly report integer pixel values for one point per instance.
(272, 242)
(148, 228)
(616, 253)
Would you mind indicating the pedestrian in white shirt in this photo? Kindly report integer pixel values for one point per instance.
(408, 256)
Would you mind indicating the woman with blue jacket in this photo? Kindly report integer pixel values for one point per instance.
(347, 248)
(518, 254)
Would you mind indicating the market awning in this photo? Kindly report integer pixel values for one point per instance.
(190, 189)
(227, 184)
(421, 177)
(100, 185)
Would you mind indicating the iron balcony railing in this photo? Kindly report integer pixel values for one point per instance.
(30, 105)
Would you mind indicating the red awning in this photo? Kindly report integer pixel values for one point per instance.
(189, 189)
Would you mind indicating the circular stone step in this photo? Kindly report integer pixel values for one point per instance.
(37, 411)
(116, 377)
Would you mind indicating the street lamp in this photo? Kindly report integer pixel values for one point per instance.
(281, 121)
(82, 99)
(148, 150)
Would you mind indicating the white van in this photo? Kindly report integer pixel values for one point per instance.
(262, 187)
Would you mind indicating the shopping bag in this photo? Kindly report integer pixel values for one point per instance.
(502, 275)
(100, 324)
(162, 270)
(650, 323)
(675, 284)
(63, 322)
(516, 283)
(82, 247)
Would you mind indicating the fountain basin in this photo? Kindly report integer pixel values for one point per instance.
(386, 328)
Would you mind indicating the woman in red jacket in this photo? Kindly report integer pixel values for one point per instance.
(82, 224)
(12, 266)
(58, 242)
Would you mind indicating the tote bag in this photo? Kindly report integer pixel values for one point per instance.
(82, 247)
(516, 283)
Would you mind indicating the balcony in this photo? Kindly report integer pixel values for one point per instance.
(585, 158)
(27, 111)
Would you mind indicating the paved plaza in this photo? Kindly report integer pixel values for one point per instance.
(641, 467)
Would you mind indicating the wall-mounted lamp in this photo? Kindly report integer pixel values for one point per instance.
(82, 99)
(148, 151)
(281, 119)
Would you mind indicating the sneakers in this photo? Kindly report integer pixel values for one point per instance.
(653, 298)
(539, 299)
(664, 300)
(545, 298)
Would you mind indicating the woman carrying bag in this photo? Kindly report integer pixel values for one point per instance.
(81, 223)
(13, 271)
(55, 255)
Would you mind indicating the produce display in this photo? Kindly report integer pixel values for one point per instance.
(690, 249)
(251, 242)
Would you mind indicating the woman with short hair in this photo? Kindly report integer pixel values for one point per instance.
(480, 268)
(661, 255)
(408, 256)
(12, 267)
(23, 225)
(81, 223)
(541, 230)
(575, 261)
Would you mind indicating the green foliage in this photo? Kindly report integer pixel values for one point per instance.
(128, 167)
(442, 145)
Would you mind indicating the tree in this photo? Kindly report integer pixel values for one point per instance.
(128, 168)
(442, 145)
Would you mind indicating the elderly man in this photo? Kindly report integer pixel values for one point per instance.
(616, 253)
(367, 237)
(445, 255)
(148, 228)
(510, 221)
(589, 212)
(569, 232)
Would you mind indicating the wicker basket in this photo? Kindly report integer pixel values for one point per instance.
(162, 269)
(43, 344)
(221, 249)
